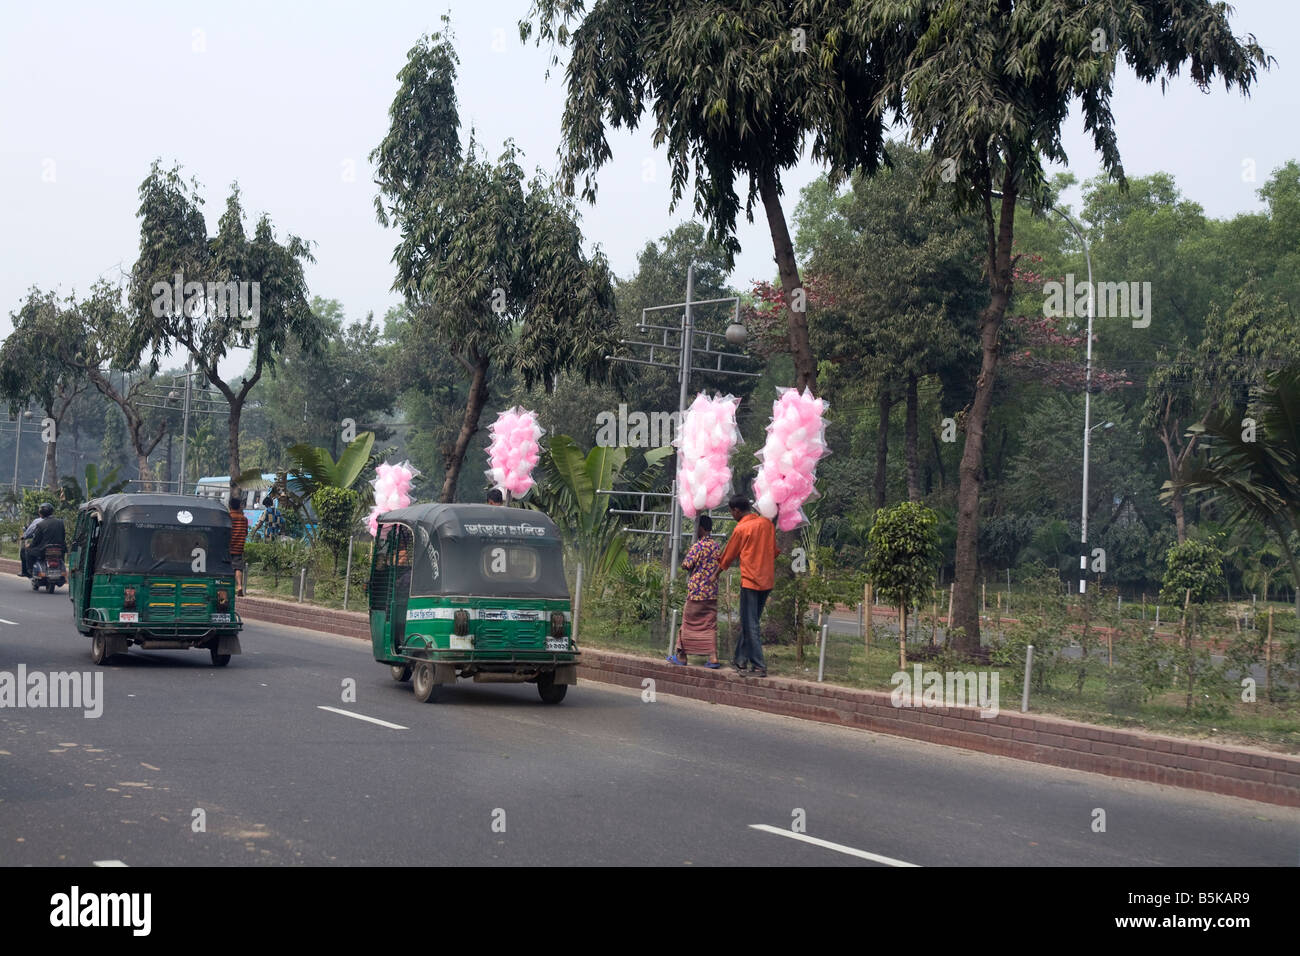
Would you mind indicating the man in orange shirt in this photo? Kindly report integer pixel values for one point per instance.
(238, 535)
(753, 543)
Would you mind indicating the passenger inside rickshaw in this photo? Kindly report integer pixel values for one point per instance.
(395, 561)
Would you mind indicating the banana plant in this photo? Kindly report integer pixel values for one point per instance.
(569, 493)
(314, 467)
(97, 485)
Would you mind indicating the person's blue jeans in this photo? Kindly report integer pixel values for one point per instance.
(749, 649)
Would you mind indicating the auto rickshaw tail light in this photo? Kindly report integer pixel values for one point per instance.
(460, 622)
(128, 598)
(557, 624)
(223, 599)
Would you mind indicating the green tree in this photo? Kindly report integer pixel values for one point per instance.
(903, 560)
(891, 327)
(1193, 576)
(336, 512)
(1240, 344)
(736, 89)
(988, 86)
(352, 360)
(1255, 464)
(174, 240)
(493, 272)
(30, 368)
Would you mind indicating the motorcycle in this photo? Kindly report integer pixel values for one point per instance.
(48, 570)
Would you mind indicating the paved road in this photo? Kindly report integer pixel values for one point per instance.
(604, 778)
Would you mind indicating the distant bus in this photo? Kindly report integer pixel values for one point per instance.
(219, 487)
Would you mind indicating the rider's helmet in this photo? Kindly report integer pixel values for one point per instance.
(46, 509)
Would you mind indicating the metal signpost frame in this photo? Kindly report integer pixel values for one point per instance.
(680, 340)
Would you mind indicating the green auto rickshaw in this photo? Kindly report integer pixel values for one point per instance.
(474, 591)
(154, 570)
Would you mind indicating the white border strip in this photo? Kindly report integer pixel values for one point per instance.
(373, 720)
(109, 863)
(827, 844)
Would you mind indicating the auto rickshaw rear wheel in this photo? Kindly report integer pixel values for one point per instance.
(218, 660)
(98, 647)
(548, 690)
(422, 683)
(401, 672)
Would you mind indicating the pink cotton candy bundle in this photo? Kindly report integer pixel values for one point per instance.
(514, 451)
(392, 484)
(704, 444)
(796, 441)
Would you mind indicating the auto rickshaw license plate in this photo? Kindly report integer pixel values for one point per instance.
(220, 618)
(129, 617)
(557, 643)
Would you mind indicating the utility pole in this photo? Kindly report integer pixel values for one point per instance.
(681, 340)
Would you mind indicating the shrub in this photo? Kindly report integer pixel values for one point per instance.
(336, 513)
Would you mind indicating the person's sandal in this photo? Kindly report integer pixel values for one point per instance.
(712, 665)
(672, 659)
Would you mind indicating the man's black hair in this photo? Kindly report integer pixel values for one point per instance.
(703, 525)
(495, 496)
(739, 503)
(267, 501)
(236, 501)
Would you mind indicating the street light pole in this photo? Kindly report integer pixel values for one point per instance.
(684, 376)
(1087, 399)
(185, 428)
(18, 444)
(1087, 413)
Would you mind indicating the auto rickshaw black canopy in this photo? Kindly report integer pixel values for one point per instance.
(157, 534)
(483, 550)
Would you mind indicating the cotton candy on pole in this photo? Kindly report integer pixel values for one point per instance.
(392, 485)
(704, 443)
(796, 441)
(514, 451)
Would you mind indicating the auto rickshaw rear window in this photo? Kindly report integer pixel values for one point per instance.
(504, 563)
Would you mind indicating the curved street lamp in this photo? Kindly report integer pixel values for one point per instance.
(1087, 397)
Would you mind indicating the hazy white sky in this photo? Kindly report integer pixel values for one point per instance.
(289, 98)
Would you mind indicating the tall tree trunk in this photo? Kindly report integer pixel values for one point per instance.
(885, 403)
(909, 442)
(965, 601)
(474, 405)
(232, 437)
(146, 477)
(805, 368)
(1176, 501)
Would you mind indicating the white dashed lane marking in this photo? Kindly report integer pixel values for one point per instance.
(827, 844)
(373, 720)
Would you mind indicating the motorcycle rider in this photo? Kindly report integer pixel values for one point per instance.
(48, 530)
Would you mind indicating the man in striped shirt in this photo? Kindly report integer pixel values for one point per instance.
(238, 535)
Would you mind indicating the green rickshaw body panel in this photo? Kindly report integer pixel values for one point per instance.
(502, 566)
(172, 551)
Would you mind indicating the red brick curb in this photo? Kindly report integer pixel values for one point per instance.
(1234, 771)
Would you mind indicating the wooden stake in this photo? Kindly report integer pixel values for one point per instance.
(1268, 654)
(902, 638)
(952, 590)
(868, 600)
